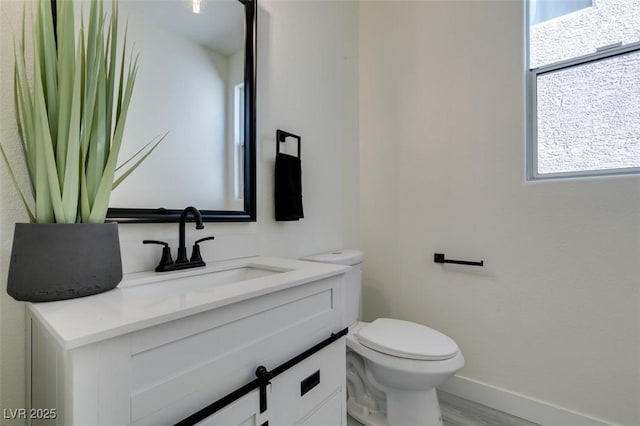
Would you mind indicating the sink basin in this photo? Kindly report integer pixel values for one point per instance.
(201, 282)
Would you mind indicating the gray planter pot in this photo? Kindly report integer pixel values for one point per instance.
(63, 261)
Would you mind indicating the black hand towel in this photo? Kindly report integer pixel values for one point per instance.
(288, 187)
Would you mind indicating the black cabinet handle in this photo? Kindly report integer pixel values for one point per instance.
(309, 383)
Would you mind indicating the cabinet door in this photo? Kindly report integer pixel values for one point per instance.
(315, 385)
(243, 412)
(330, 412)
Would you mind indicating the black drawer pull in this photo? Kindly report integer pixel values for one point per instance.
(309, 383)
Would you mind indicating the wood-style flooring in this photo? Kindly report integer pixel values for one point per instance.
(457, 411)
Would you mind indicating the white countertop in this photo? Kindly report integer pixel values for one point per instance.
(146, 299)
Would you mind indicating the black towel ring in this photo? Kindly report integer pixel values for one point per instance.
(281, 137)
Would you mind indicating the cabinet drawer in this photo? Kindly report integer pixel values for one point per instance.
(308, 385)
(185, 365)
(332, 412)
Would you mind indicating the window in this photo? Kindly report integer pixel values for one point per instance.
(543, 10)
(238, 140)
(583, 87)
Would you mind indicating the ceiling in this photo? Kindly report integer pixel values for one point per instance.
(219, 26)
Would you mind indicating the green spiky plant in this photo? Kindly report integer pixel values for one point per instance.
(71, 118)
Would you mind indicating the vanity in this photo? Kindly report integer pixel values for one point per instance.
(162, 347)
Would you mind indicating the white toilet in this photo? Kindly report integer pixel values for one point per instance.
(393, 366)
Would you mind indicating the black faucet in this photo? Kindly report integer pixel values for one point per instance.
(182, 249)
(166, 262)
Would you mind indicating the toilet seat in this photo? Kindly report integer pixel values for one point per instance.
(408, 340)
(410, 373)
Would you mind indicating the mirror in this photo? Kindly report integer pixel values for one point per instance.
(196, 82)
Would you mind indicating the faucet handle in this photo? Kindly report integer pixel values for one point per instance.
(166, 258)
(195, 253)
(162, 243)
(205, 239)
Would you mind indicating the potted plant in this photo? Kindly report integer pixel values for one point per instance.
(70, 121)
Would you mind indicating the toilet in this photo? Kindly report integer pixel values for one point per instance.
(393, 366)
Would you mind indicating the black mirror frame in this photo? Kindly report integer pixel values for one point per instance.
(248, 214)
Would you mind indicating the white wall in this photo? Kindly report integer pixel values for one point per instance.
(555, 313)
(307, 84)
(181, 88)
(12, 341)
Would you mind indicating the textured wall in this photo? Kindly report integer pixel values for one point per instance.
(582, 32)
(588, 115)
(12, 342)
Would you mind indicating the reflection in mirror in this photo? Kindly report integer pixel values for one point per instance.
(196, 83)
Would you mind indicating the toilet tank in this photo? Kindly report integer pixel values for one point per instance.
(353, 279)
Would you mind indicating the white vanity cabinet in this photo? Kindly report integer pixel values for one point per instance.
(313, 392)
(166, 357)
(243, 412)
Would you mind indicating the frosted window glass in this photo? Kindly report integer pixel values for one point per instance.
(543, 10)
(589, 116)
(582, 32)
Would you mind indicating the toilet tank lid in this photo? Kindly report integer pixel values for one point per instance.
(404, 339)
(339, 257)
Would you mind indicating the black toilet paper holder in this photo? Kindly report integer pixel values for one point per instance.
(440, 258)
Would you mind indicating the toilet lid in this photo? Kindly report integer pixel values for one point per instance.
(406, 339)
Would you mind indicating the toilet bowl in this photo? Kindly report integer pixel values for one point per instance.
(393, 366)
(403, 388)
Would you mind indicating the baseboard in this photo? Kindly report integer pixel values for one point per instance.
(518, 405)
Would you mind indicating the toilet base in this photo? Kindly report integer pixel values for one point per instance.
(366, 416)
(413, 408)
(404, 408)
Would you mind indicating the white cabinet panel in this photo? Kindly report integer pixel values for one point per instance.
(306, 386)
(203, 367)
(330, 413)
(243, 412)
